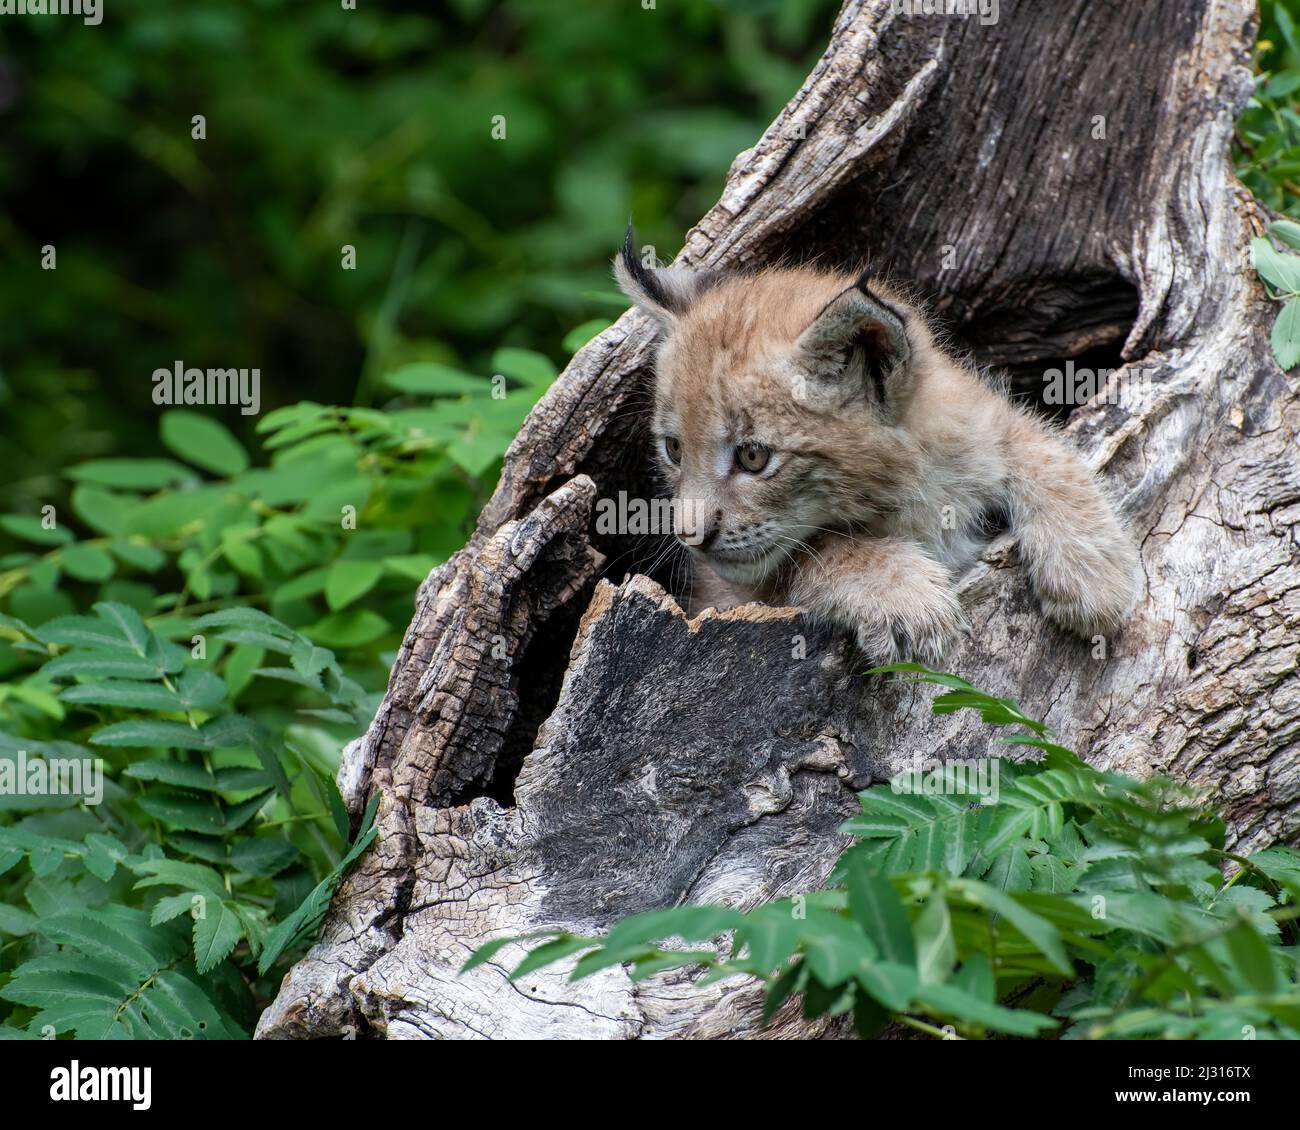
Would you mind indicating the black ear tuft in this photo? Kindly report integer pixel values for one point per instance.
(665, 293)
(641, 276)
(864, 284)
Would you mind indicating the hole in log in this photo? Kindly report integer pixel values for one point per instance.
(538, 673)
(1056, 341)
(621, 465)
(1056, 387)
(1056, 349)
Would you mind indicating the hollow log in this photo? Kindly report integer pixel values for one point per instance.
(561, 746)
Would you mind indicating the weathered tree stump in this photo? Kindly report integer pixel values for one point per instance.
(561, 746)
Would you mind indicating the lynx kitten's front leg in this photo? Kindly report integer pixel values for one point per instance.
(1081, 562)
(897, 600)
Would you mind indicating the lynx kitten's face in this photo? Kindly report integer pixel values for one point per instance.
(778, 401)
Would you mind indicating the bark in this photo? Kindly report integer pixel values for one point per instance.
(561, 746)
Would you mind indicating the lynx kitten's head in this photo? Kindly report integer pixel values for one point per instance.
(781, 405)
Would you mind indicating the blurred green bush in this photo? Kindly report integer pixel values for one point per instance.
(210, 602)
(328, 128)
(1268, 134)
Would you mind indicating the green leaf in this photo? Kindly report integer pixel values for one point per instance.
(181, 774)
(1035, 928)
(894, 986)
(85, 631)
(216, 933)
(631, 939)
(173, 872)
(411, 566)
(140, 696)
(131, 474)
(151, 732)
(476, 451)
(125, 946)
(199, 689)
(525, 365)
(242, 554)
(1288, 231)
(237, 815)
(1252, 957)
(1010, 870)
(965, 1008)
(348, 629)
(247, 619)
(170, 907)
(15, 922)
(875, 905)
(102, 510)
(782, 988)
(103, 854)
(488, 950)
(32, 529)
(117, 977)
(262, 855)
(1279, 270)
(936, 948)
(1286, 26)
(577, 337)
(835, 947)
(105, 665)
(306, 918)
(87, 563)
(351, 580)
(1282, 865)
(187, 813)
(976, 977)
(170, 512)
(771, 933)
(306, 584)
(202, 442)
(268, 757)
(427, 378)
(326, 790)
(550, 952)
(1285, 338)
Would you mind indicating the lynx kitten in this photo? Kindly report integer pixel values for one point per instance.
(824, 451)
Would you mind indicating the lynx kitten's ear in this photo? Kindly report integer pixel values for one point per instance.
(665, 293)
(859, 344)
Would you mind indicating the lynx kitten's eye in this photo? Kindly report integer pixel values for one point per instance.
(752, 457)
(673, 448)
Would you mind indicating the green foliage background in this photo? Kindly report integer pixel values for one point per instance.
(180, 593)
(184, 593)
(1268, 134)
(328, 127)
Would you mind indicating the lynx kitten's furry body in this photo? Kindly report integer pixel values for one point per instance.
(824, 451)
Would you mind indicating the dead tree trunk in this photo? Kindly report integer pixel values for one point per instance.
(560, 746)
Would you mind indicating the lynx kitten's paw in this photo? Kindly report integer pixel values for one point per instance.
(923, 626)
(1089, 589)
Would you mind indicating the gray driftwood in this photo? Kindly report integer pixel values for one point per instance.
(560, 746)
